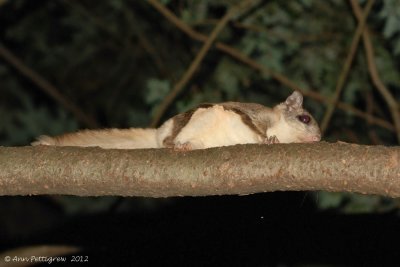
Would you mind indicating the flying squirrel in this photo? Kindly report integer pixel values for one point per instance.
(208, 125)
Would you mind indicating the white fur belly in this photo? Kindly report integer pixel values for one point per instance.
(213, 127)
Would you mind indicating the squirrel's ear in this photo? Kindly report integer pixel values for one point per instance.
(294, 101)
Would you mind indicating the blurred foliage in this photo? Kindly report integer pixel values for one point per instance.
(117, 60)
(354, 203)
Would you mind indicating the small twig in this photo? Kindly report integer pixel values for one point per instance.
(195, 63)
(369, 51)
(369, 117)
(237, 55)
(176, 21)
(45, 86)
(346, 68)
(325, 36)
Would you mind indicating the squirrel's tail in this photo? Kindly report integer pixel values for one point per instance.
(133, 138)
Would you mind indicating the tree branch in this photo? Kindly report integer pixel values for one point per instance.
(241, 169)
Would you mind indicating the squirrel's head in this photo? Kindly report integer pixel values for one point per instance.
(300, 125)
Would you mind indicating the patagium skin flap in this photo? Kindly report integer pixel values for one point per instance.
(208, 125)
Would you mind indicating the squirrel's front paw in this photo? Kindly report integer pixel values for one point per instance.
(271, 140)
(183, 147)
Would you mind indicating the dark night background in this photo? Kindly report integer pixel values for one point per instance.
(116, 61)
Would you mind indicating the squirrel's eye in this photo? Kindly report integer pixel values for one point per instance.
(304, 119)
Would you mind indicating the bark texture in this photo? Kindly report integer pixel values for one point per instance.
(241, 169)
